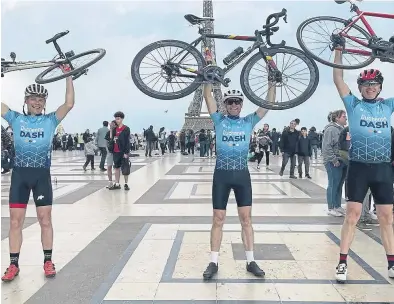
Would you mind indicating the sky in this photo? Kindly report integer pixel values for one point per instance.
(124, 28)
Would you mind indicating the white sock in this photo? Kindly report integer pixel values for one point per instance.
(249, 256)
(214, 257)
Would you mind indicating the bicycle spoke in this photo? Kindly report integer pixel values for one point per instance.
(167, 79)
(295, 78)
(316, 37)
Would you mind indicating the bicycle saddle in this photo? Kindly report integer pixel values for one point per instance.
(197, 20)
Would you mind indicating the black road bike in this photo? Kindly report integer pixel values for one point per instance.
(180, 68)
(53, 65)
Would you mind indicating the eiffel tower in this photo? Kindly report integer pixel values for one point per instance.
(194, 118)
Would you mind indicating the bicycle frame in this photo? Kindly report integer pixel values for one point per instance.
(27, 65)
(361, 16)
(258, 43)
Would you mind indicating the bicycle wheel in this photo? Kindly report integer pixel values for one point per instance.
(165, 69)
(320, 40)
(309, 74)
(45, 77)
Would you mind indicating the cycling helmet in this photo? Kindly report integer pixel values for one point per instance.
(233, 94)
(36, 89)
(371, 76)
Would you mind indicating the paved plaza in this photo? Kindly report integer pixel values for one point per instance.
(151, 244)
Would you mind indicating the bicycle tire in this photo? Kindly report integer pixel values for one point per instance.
(40, 78)
(260, 102)
(322, 61)
(135, 75)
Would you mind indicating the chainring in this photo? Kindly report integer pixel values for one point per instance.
(212, 73)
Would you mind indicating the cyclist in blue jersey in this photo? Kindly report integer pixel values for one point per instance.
(231, 172)
(33, 133)
(369, 160)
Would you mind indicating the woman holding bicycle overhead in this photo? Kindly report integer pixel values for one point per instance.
(33, 133)
(369, 159)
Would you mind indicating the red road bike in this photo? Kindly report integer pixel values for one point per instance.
(360, 46)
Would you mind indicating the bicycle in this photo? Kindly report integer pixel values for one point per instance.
(374, 47)
(59, 60)
(201, 72)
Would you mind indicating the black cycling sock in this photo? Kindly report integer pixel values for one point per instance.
(47, 255)
(14, 257)
(390, 259)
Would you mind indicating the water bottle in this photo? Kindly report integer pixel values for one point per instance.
(234, 54)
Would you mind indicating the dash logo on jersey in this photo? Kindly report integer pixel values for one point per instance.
(374, 122)
(233, 136)
(31, 132)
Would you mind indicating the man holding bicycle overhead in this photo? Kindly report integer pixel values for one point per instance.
(33, 133)
(369, 160)
(231, 171)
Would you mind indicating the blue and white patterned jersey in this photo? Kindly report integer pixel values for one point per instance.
(32, 138)
(233, 140)
(370, 129)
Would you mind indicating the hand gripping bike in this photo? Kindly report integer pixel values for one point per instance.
(49, 75)
(172, 69)
(320, 36)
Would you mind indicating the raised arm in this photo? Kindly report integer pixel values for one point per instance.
(271, 96)
(209, 100)
(342, 87)
(4, 109)
(63, 110)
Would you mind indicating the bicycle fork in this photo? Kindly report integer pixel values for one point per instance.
(274, 75)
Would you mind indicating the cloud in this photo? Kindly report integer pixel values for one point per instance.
(124, 28)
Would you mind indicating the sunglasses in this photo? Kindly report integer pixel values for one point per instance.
(369, 84)
(235, 100)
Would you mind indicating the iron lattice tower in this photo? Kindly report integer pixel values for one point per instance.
(193, 119)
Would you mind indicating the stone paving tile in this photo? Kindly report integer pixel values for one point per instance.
(112, 243)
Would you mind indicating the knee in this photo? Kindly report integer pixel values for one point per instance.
(16, 223)
(352, 216)
(45, 220)
(246, 221)
(385, 218)
(218, 219)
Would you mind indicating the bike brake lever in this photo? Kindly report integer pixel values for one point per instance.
(285, 18)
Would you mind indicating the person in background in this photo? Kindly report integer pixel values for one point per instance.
(86, 136)
(314, 138)
(6, 147)
(288, 144)
(210, 143)
(304, 152)
(334, 164)
(102, 144)
(262, 143)
(191, 139)
(171, 142)
(202, 139)
(162, 140)
(121, 149)
(150, 138)
(90, 149)
(81, 142)
(182, 140)
(275, 136)
(70, 142)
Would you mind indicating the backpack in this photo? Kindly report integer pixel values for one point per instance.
(111, 143)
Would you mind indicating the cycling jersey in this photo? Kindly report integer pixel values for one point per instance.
(232, 140)
(32, 138)
(370, 129)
